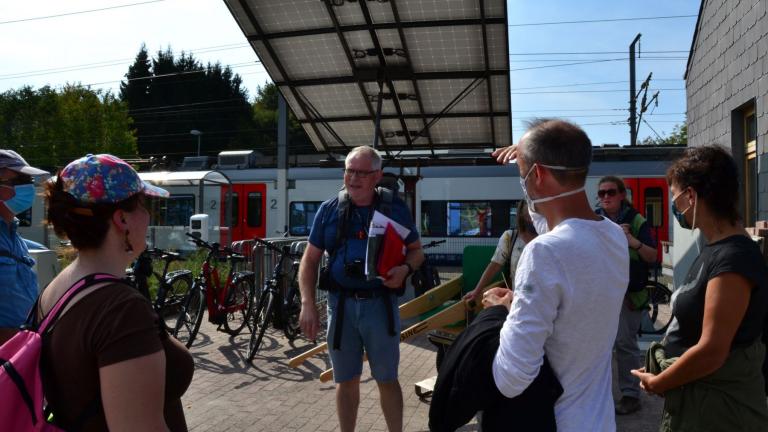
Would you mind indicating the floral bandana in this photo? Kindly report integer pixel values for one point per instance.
(103, 178)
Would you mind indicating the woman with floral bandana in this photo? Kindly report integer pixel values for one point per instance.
(108, 363)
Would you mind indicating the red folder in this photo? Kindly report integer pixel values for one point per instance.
(392, 252)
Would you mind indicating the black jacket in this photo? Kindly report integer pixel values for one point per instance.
(465, 385)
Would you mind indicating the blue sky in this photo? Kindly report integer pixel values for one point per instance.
(96, 48)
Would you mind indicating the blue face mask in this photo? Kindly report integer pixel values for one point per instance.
(25, 196)
(680, 215)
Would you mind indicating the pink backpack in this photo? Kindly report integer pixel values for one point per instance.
(23, 399)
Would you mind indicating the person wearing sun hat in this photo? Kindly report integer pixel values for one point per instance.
(108, 346)
(18, 282)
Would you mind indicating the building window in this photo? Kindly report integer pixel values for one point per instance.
(750, 166)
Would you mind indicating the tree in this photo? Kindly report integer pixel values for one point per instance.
(679, 136)
(181, 95)
(265, 117)
(50, 128)
(135, 91)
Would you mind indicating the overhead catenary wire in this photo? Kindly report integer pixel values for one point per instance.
(79, 12)
(603, 20)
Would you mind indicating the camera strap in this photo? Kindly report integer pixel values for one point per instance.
(382, 202)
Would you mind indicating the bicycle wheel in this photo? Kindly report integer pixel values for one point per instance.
(291, 312)
(263, 317)
(238, 304)
(176, 289)
(658, 314)
(190, 317)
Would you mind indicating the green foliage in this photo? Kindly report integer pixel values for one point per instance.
(679, 136)
(168, 96)
(50, 128)
(265, 117)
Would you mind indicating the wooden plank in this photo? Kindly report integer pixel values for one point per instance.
(424, 303)
(454, 313)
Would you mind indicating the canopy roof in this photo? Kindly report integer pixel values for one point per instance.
(439, 67)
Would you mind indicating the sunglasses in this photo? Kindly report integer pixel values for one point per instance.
(610, 192)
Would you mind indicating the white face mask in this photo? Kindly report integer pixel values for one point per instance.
(539, 221)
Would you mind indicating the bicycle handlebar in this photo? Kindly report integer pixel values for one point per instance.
(214, 248)
(164, 255)
(433, 243)
(285, 250)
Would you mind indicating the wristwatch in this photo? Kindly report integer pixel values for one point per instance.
(410, 268)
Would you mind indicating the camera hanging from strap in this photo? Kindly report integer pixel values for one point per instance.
(382, 202)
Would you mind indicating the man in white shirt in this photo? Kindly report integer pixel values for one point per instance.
(569, 284)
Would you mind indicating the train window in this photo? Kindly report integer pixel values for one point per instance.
(254, 209)
(301, 216)
(174, 211)
(654, 206)
(234, 210)
(466, 218)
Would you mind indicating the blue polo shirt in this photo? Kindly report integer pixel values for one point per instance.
(18, 282)
(323, 236)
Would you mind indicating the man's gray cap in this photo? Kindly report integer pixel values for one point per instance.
(14, 162)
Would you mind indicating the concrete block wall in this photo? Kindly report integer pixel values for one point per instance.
(729, 68)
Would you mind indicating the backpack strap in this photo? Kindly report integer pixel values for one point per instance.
(79, 286)
(384, 202)
(21, 260)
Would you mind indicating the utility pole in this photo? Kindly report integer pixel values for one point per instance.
(632, 95)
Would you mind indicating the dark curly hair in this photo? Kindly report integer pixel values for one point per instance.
(712, 173)
(85, 225)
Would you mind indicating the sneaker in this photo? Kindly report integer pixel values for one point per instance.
(627, 405)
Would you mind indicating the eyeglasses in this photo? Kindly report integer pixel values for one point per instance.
(359, 173)
(610, 192)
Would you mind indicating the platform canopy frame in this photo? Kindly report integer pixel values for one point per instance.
(420, 75)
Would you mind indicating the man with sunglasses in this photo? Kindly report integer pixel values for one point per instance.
(365, 311)
(569, 284)
(642, 251)
(18, 282)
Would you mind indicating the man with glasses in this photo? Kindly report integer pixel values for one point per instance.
(642, 251)
(365, 311)
(569, 284)
(18, 283)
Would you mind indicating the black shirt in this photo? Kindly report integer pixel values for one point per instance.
(735, 254)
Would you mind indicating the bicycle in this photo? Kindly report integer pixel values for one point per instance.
(659, 310)
(173, 287)
(229, 304)
(285, 316)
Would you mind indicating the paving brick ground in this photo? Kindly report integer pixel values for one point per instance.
(228, 394)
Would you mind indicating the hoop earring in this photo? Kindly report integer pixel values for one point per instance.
(128, 245)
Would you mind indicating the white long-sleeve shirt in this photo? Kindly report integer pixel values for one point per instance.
(569, 287)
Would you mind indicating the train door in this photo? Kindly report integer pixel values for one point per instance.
(651, 198)
(248, 211)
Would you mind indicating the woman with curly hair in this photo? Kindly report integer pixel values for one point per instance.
(709, 367)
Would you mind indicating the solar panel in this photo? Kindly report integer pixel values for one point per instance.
(439, 68)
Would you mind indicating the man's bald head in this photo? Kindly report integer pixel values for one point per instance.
(558, 143)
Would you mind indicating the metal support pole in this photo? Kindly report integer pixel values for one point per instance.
(632, 95)
(282, 164)
(377, 123)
